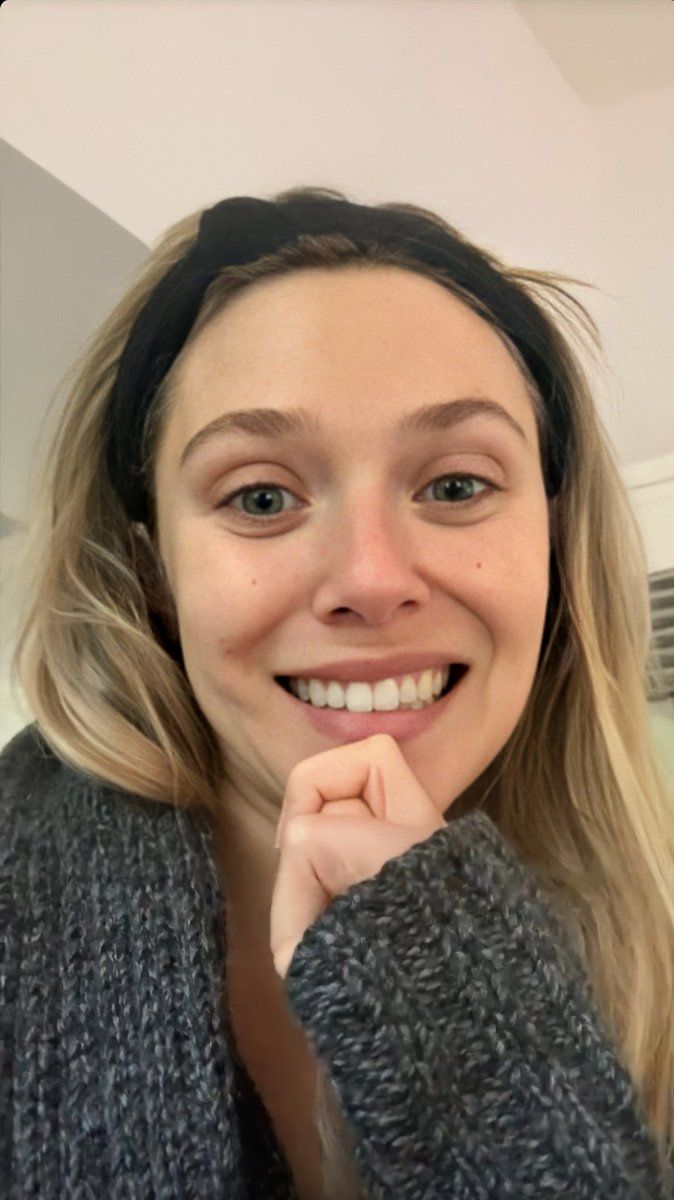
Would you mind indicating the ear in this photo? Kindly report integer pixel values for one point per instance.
(150, 571)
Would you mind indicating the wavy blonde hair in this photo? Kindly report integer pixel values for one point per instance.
(578, 789)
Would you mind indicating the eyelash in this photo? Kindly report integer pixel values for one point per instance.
(262, 484)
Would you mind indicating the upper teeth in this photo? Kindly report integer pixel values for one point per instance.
(383, 696)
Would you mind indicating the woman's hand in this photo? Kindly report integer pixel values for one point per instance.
(345, 813)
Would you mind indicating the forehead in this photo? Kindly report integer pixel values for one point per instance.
(354, 345)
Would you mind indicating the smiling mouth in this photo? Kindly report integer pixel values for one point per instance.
(456, 673)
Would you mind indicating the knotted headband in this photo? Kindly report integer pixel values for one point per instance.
(243, 228)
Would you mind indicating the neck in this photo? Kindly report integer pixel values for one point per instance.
(247, 862)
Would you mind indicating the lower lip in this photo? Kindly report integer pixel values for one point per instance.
(351, 727)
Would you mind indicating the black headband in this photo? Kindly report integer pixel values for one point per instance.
(241, 229)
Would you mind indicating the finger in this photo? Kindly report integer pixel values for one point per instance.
(322, 857)
(297, 900)
(346, 850)
(348, 808)
(373, 769)
(404, 800)
(330, 776)
(337, 808)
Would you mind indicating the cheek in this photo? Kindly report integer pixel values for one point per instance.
(522, 591)
(515, 602)
(505, 584)
(227, 596)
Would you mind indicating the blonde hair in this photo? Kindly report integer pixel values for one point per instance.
(578, 788)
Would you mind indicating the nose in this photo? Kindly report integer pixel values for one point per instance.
(372, 564)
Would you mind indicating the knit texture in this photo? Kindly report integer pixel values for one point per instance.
(442, 994)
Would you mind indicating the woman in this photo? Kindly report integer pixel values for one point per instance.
(453, 974)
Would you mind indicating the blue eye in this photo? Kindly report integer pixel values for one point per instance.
(264, 495)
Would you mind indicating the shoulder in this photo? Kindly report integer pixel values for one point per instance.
(30, 772)
(26, 760)
(49, 805)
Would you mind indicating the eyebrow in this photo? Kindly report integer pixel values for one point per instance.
(293, 422)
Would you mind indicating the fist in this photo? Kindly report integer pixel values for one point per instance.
(345, 813)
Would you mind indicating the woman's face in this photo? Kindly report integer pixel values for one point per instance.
(353, 554)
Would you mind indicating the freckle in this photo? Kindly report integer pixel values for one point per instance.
(478, 564)
(253, 581)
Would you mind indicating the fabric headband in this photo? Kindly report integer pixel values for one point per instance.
(243, 228)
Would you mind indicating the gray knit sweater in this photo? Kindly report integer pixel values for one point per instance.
(452, 1015)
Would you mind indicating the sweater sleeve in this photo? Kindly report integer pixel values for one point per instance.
(455, 1021)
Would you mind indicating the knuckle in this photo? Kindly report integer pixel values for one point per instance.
(298, 830)
(307, 767)
(297, 774)
(383, 739)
